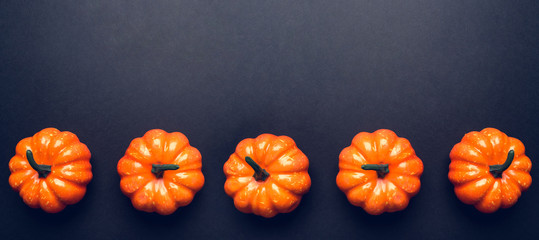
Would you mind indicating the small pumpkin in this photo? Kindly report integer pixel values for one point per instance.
(161, 172)
(489, 170)
(379, 172)
(267, 175)
(50, 170)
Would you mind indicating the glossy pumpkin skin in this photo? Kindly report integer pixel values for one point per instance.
(282, 190)
(70, 170)
(469, 170)
(166, 191)
(377, 191)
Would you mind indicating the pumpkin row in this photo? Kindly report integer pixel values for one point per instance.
(267, 175)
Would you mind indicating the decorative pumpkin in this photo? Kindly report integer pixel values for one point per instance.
(379, 172)
(267, 175)
(160, 172)
(50, 170)
(489, 170)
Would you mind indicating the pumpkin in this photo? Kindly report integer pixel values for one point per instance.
(379, 172)
(50, 170)
(267, 175)
(489, 170)
(160, 172)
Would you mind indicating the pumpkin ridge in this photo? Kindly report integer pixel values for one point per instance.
(349, 167)
(403, 150)
(53, 161)
(515, 170)
(369, 193)
(464, 161)
(178, 151)
(387, 136)
(409, 173)
(49, 186)
(51, 189)
(502, 145)
(278, 155)
(262, 196)
(268, 182)
(511, 177)
(518, 160)
(35, 183)
(22, 146)
(271, 196)
(184, 151)
(509, 182)
(168, 177)
(377, 185)
(507, 178)
(485, 192)
(362, 154)
(471, 140)
(488, 191)
(350, 162)
(397, 189)
(286, 172)
(61, 177)
(164, 148)
(517, 145)
(294, 174)
(61, 165)
(129, 157)
(148, 180)
(18, 160)
(482, 175)
(29, 176)
(156, 153)
(277, 184)
(486, 157)
(458, 147)
(234, 178)
(64, 144)
(249, 196)
(275, 160)
(166, 183)
(362, 184)
(410, 194)
(43, 146)
(269, 143)
(407, 158)
(238, 160)
(150, 184)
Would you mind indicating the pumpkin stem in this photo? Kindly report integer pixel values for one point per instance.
(42, 170)
(158, 169)
(381, 169)
(260, 173)
(497, 170)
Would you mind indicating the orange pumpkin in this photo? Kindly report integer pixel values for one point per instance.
(379, 172)
(489, 170)
(267, 175)
(160, 172)
(50, 170)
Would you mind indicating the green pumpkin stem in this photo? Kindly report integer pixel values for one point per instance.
(158, 169)
(381, 169)
(42, 170)
(260, 173)
(497, 170)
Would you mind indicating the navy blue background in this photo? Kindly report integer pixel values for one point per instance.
(221, 71)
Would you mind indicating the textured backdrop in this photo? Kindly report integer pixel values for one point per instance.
(221, 71)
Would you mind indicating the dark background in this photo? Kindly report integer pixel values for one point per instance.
(221, 71)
